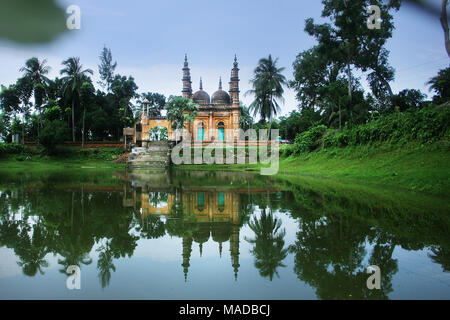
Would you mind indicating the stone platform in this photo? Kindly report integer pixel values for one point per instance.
(155, 156)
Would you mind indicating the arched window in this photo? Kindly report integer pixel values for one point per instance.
(200, 131)
(221, 131)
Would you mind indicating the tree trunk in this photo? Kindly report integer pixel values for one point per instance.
(349, 79)
(73, 120)
(82, 137)
(444, 23)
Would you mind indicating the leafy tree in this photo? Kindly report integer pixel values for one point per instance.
(245, 119)
(53, 133)
(106, 68)
(156, 102)
(180, 110)
(267, 83)
(73, 79)
(124, 89)
(440, 84)
(408, 98)
(351, 44)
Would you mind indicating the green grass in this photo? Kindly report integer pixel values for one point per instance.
(411, 167)
(71, 157)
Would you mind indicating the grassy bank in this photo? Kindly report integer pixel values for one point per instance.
(410, 166)
(23, 157)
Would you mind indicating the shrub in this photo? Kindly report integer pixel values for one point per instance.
(53, 133)
(309, 140)
(426, 125)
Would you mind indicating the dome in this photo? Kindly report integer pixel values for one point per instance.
(201, 97)
(221, 97)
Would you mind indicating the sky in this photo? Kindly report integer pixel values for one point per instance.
(149, 39)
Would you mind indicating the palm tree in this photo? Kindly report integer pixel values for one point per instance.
(268, 85)
(74, 77)
(34, 72)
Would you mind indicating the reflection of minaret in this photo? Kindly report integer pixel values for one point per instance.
(187, 249)
(234, 249)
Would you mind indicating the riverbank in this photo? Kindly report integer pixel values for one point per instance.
(412, 167)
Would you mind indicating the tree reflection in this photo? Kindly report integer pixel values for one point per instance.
(268, 244)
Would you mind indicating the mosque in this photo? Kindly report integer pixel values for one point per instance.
(217, 118)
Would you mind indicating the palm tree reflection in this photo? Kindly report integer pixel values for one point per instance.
(268, 244)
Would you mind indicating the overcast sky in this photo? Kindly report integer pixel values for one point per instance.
(148, 40)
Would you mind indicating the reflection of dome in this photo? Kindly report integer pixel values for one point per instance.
(221, 97)
(201, 235)
(221, 233)
(201, 97)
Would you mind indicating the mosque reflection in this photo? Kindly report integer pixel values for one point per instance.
(194, 213)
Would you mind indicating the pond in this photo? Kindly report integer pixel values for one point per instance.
(216, 235)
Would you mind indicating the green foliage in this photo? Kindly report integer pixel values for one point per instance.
(267, 82)
(180, 110)
(10, 148)
(158, 134)
(425, 126)
(53, 133)
(309, 140)
(440, 84)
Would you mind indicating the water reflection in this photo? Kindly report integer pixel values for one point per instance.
(335, 234)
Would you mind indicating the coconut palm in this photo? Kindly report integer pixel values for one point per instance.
(35, 72)
(268, 85)
(74, 78)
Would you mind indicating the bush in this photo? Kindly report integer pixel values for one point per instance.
(10, 148)
(309, 140)
(53, 133)
(426, 126)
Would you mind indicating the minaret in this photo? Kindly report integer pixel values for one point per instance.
(187, 83)
(234, 94)
(187, 249)
(234, 249)
(234, 84)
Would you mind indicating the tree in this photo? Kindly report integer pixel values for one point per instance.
(106, 68)
(245, 119)
(53, 133)
(440, 84)
(124, 89)
(35, 72)
(349, 42)
(180, 110)
(156, 102)
(74, 76)
(408, 98)
(87, 94)
(267, 83)
(444, 24)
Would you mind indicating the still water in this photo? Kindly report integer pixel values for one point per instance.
(216, 235)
